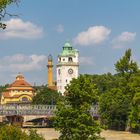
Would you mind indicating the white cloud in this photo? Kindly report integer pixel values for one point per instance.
(22, 63)
(17, 28)
(123, 39)
(94, 35)
(86, 60)
(60, 28)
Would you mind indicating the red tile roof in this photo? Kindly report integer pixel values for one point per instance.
(20, 83)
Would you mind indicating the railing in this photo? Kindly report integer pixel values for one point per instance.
(27, 110)
(49, 110)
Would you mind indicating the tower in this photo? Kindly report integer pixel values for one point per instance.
(67, 66)
(50, 71)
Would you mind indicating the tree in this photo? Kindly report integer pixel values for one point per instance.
(114, 109)
(116, 102)
(73, 118)
(104, 82)
(3, 88)
(46, 96)
(134, 114)
(3, 12)
(15, 133)
(126, 66)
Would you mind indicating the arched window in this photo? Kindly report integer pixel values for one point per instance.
(70, 59)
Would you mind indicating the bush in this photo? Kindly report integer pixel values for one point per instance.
(15, 133)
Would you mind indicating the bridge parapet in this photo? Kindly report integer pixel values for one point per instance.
(48, 110)
(27, 109)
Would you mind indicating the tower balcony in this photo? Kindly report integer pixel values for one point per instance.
(67, 64)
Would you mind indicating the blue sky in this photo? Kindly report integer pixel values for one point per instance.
(100, 29)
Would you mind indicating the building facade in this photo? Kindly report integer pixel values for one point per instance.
(19, 91)
(67, 66)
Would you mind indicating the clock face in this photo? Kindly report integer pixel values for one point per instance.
(70, 71)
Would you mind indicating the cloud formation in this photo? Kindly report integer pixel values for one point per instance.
(94, 35)
(22, 63)
(17, 28)
(60, 28)
(123, 39)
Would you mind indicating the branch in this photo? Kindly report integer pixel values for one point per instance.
(4, 13)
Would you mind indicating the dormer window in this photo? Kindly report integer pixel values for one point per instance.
(70, 59)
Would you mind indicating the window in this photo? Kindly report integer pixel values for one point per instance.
(59, 71)
(70, 59)
(24, 99)
(63, 59)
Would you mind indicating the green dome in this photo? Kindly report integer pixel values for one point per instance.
(68, 50)
(67, 44)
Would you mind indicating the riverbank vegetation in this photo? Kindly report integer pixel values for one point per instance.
(119, 103)
(118, 98)
(15, 133)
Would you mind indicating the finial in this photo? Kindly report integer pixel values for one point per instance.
(50, 58)
(19, 76)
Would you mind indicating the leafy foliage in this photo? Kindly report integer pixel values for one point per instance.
(134, 117)
(126, 66)
(14, 133)
(73, 118)
(117, 108)
(3, 88)
(46, 96)
(3, 12)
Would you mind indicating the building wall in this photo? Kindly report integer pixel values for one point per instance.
(14, 100)
(67, 69)
(64, 78)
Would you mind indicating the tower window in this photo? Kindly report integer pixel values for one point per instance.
(70, 59)
(59, 59)
(63, 59)
(66, 80)
(59, 71)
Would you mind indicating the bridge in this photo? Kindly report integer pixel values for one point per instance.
(26, 113)
(27, 110)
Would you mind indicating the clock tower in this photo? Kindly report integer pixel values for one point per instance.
(67, 66)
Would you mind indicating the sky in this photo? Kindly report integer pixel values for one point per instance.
(101, 30)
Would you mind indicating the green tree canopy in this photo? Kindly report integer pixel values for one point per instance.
(116, 101)
(126, 65)
(73, 118)
(46, 96)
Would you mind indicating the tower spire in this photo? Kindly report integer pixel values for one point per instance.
(50, 70)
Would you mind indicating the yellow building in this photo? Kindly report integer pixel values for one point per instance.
(19, 91)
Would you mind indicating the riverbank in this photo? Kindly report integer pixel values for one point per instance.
(50, 133)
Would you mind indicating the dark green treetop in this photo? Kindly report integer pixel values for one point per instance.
(46, 96)
(73, 118)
